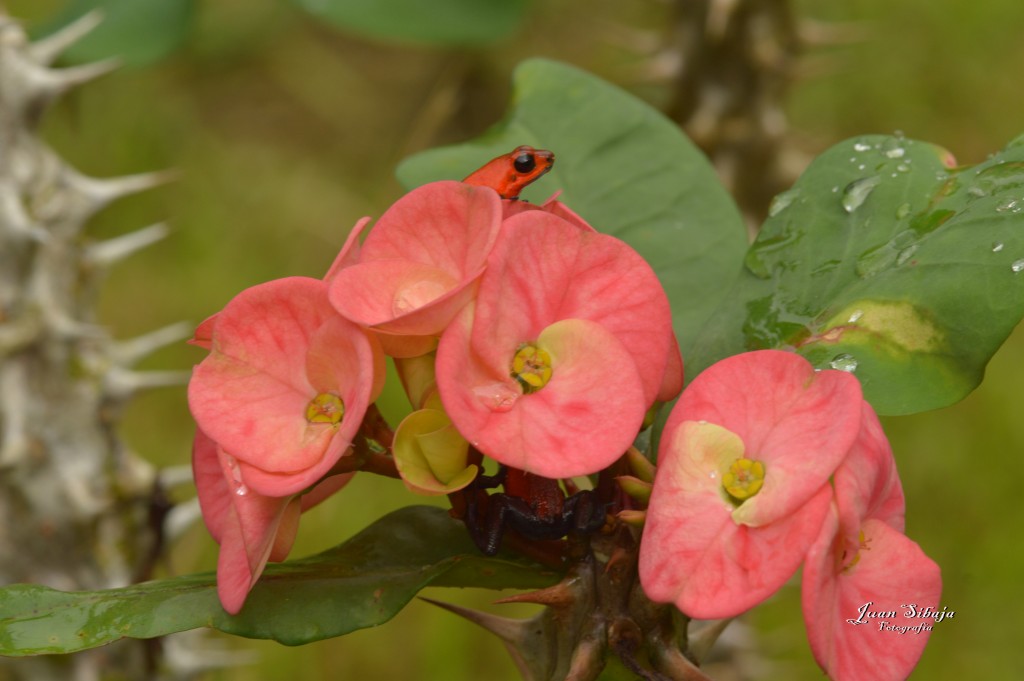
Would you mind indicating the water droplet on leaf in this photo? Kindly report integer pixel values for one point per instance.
(844, 362)
(781, 202)
(905, 254)
(857, 192)
(1010, 206)
(861, 146)
(1017, 266)
(855, 316)
(903, 211)
(997, 246)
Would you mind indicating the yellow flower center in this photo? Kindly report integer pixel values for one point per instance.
(744, 479)
(531, 366)
(862, 542)
(325, 408)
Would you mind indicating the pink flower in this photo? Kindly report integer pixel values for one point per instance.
(251, 528)
(862, 564)
(419, 265)
(741, 489)
(552, 370)
(286, 384)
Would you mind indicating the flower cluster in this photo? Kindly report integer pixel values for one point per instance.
(764, 465)
(552, 341)
(522, 334)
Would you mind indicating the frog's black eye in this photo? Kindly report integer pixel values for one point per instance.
(525, 162)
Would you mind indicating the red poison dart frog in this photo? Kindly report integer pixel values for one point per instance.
(509, 174)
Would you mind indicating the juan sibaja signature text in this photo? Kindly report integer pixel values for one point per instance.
(884, 618)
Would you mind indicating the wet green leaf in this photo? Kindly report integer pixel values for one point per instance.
(438, 22)
(138, 32)
(360, 583)
(884, 261)
(624, 168)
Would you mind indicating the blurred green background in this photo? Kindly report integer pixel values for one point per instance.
(285, 131)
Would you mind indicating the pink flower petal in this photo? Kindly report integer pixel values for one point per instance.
(551, 205)
(325, 490)
(203, 336)
(583, 419)
(448, 225)
(243, 552)
(349, 253)
(672, 380)
(211, 487)
(694, 552)
(256, 416)
(544, 269)
(405, 347)
(401, 296)
(419, 265)
(251, 393)
(250, 535)
(866, 483)
(891, 572)
(799, 422)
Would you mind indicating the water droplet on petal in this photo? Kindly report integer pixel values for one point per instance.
(857, 192)
(997, 246)
(415, 295)
(498, 397)
(844, 362)
(1017, 266)
(236, 481)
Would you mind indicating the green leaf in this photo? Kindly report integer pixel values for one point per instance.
(437, 22)
(138, 32)
(360, 583)
(883, 260)
(624, 168)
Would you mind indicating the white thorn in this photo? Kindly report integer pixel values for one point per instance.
(39, 85)
(172, 476)
(11, 32)
(123, 383)
(15, 218)
(18, 333)
(68, 327)
(190, 653)
(181, 518)
(102, 191)
(110, 251)
(127, 352)
(61, 80)
(14, 446)
(46, 50)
